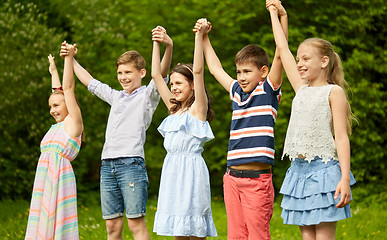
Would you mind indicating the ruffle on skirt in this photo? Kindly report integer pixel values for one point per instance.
(309, 190)
(168, 225)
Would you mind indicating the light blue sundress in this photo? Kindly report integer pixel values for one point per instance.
(184, 203)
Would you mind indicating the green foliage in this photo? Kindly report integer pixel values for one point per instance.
(103, 29)
(25, 84)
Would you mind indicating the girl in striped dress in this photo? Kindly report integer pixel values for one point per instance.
(53, 210)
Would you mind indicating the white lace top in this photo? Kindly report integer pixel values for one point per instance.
(310, 127)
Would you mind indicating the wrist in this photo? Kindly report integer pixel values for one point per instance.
(345, 178)
(57, 88)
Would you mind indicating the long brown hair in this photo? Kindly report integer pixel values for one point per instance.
(186, 71)
(334, 71)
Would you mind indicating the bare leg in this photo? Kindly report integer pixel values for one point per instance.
(114, 228)
(138, 227)
(326, 231)
(308, 232)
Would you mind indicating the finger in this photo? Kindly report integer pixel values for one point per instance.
(162, 29)
(341, 202)
(336, 193)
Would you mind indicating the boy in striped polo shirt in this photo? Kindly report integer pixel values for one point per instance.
(255, 95)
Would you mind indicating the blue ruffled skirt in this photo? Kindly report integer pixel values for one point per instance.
(309, 190)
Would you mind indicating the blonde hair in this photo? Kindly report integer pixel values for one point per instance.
(334, 71)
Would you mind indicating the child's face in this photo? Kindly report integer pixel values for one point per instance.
(309, 62)
(181, 88)
(129, 77)
(248, 76)
(58, 109)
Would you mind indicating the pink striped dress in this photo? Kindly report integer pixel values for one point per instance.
(53, 210)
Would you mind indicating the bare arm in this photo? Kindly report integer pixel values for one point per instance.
(83, 75)
(167, 41)
(282, 47)
(275, 74)
(339, 107)
(214, 64)
(162, 87)
(73, 123)
(55, 81)
(200, 106)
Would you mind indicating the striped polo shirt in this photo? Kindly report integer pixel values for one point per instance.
(252, 126)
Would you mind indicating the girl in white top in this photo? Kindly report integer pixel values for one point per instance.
(317, 185)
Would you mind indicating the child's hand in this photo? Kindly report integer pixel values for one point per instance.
(64, 51)
(72, 49)
(345, 190)
(276, 4)
(159, 34)
(270, 6)
(52, 66)
(202, 25)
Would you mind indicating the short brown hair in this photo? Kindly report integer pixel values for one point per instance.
(253, 54)
(131, 57)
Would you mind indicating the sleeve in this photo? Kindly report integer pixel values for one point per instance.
(102, 90)
(269, 85)
(233, 88)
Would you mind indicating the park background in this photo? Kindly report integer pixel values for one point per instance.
(104, 29)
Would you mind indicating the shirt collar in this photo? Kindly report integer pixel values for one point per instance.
(135, 91)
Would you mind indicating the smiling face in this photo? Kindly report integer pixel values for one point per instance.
(181, 88)
(58, 109)
(129, 77)
(248, 76)
(309, 63)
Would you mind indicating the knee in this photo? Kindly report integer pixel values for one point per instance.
(114, 225)
(137, 225)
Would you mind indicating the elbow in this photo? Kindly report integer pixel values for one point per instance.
(67, 88)
(213, 69)
(197, 71)
(155, 75)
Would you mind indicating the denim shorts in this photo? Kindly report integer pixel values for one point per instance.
(124, 186)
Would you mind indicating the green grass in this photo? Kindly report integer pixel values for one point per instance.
(368, 220)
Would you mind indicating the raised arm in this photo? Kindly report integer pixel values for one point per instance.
(165, 93)
(276, 69)
(200, 106)
(73, 123)
(167, 58)
(213, 62)
(83, 75)
(282, 47)
(55, 81)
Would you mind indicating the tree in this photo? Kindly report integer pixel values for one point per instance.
(103, 29)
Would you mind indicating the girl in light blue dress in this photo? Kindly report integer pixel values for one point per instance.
(184, 203)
